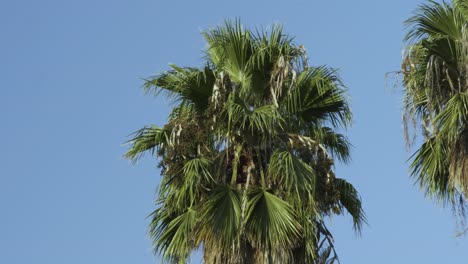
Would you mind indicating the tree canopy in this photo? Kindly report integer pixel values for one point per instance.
(247, 154)
(435, 69)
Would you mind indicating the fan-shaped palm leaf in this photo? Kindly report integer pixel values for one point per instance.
(350, 200)
(221, 220)
(271, 221)
(188, 84)
(291, 173)
(146, 139)
(318, 96)
(173, 234)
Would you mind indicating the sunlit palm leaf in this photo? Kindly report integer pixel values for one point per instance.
(146, 139)
(221, 219)
(336, 144)
(290, 172)
(195, 173)
(189, 84)
(230, 50)
(318, 96)
(351, 201)
(263, 119)
(173, 235)
(430, 166)
(271, 221)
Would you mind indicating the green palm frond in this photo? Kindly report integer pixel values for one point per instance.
(336, 144)
(308, 250)
(435, 59)
(351, 201)
(188, 84)
(326, 251)
(173, 234)
(221, 219)
(435, 20)
(318, 96)
(461, 5)
(263, 119)
(273, 45)
(146, 139)
(272, 62)
(271, 221)
(451, 119)
(230, 48)
(430, 166)
(196, 174)
(291, 173)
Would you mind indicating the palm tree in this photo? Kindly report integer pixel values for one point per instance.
(247, 154)
(435, 71)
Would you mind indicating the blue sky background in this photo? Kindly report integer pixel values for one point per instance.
(71, 92)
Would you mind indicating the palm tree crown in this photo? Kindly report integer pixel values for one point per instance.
(247, 153)
(435, 70)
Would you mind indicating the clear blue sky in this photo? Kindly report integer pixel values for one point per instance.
(71, 92)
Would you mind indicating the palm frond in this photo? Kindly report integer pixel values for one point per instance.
(291, 173)
(351, 201)
(150, 139)
(262, 119)
(173, 234)
(196, 174)
(307, 252)
(271, 221)
(189, 84)
(430, 167)
(336, 144)
(230, 50)
(452, 118)
(221, 219)
(435, 20)
(319, 96)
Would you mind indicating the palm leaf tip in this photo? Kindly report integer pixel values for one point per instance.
(147, 139)
(351, 201)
